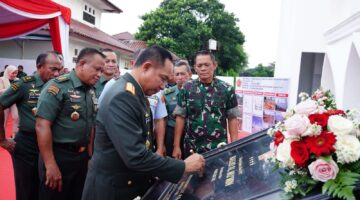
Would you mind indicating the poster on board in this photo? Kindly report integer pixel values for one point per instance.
(261, 101)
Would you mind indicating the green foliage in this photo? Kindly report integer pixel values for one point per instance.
(185, 27)
(260, 71)
(305, 183)
(342, 186)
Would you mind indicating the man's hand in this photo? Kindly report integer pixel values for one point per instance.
(53, 177)
(176, 153)
(194, 163)
(161, 151)
(8, 144)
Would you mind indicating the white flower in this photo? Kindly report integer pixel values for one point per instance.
(347, 148)
(290, 185)
(221, 144)
(296, 125)
(271, 132)
(306, 107)
(283, 153)
(313, 130)
(340, 125)
(288, 113)
(303, 96)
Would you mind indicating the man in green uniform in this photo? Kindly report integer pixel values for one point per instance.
(108, 71)
(124, 162)
(206, 107)
(25, 93)
(64, 121)
(182, 73)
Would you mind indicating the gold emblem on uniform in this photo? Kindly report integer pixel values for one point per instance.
(75, 115)
(130, 88)
(14, 86)
(53, 89)
(34, 110)
(147, 144)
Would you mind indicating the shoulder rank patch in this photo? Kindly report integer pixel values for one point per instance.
(15, 86)
(63, 78)
(53, 89)
(130, 88)
(28, 78)
(169, 90)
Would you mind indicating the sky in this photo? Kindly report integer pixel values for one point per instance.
(258, 20)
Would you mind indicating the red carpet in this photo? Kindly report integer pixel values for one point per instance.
(7, 184)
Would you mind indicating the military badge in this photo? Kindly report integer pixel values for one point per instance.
(75, 115)
(53, 89)
(147, 144)
(130, 88)
(14, 86)
(34, 110)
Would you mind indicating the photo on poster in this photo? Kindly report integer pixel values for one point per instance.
(258, 105)
(247, 122)
(269, 103)
(257, 124)
(281, 104)
(278, 116)
(248, 104)
(268, 118)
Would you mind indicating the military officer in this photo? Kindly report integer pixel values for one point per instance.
(182, 73)
(206, 107)
(124, 162)
(25, 93)
(64, 122)
(108, 71)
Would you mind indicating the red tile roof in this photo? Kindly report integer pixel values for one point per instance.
(124, 36)
(135, 44)
(94, 35)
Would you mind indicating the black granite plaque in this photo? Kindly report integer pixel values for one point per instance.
(235, 171)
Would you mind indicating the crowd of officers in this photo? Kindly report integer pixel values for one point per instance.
(91, 134)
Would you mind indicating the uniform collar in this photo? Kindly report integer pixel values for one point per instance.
(213, 82)
(38, 81)
(76, 81)
(138, 88)
(101, 81)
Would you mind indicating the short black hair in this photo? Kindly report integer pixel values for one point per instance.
(181, 63)
(154, 53)
(20, 66)
(40, 60)
(107, 50)
(88, 52)
(205, 53)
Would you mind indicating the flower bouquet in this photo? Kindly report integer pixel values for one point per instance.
(317, 145)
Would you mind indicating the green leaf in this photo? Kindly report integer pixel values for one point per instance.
(342, 186)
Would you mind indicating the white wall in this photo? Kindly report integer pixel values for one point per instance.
(321, 26)
(77, 7)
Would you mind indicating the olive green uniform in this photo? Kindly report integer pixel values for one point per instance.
(25, 94)
(124, 163)
(100, 85)
(69, 105)
(170, 95)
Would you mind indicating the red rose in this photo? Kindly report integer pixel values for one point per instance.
(299, 152)
(335, 112)
(322, 144)
(278, 138)
(320, 119)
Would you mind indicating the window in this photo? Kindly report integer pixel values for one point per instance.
(88, 18)
(93, 11)
(85, 7)
(75, 52)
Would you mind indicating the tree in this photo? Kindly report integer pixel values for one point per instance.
(260, 71)
(185, 27)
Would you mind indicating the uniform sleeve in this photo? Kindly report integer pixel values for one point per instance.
(160, 111)
(180, 108)
(49, 103)
(106, 88)
(123, 124)
(232, 109)
(13, 94)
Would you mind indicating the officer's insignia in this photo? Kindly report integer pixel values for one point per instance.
(14, 86)
(130, 88)
(34, 110)
(28, 78)
(53, 89)
(147, 144)
(75, 116)
(76, 107)
(63, 78)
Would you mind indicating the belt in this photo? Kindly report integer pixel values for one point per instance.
(71, 147)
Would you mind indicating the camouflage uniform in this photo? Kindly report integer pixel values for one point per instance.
(206, 107)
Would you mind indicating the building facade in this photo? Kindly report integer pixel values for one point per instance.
(319, 46)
